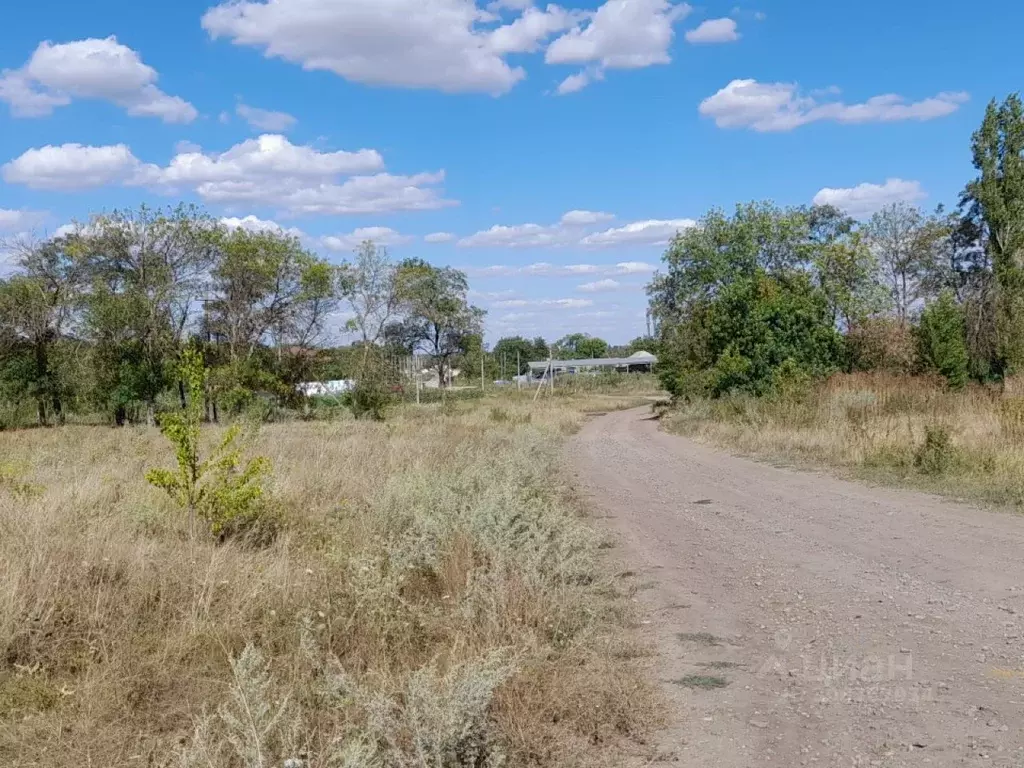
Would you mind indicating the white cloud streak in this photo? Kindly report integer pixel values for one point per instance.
(265, 119)
(650, 232)
(714, 31)
(436, 238)
(775, 107)
(865, 199)
(544, 269)
(574, 229)
(20, 220)
(600, 286)
(352, 240)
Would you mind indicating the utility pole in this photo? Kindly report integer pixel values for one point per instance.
(519, 372)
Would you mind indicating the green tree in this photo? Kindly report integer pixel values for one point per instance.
(439, 319)
(513, 348)
(740, 304)
(941, 343)
(907, 246)
(38, 308)
(995, 199)
(147, 270)
(579, 346)
(268, 292)
(704, 259)
(541, 350)
(845, 270)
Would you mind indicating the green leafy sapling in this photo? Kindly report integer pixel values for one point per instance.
(219, 489)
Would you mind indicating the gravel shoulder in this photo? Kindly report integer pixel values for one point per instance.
(799, 619)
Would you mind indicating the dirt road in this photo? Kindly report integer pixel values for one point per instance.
(803, 620)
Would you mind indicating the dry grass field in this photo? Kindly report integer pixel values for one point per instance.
(433, 600)
(907, 430)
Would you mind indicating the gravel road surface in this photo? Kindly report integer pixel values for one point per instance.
(799, 619)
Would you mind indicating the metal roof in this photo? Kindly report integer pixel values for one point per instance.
(596, 362)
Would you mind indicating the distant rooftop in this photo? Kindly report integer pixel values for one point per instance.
(638, 358)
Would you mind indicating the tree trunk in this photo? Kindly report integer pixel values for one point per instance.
(58, 409)
(120, 416)
(42, 380)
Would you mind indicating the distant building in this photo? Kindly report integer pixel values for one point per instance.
(321, 388)
(638, 362)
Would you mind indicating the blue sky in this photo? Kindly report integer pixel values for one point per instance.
(549, 150)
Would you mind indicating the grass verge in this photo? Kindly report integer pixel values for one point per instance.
(908, 431)
(434, 599)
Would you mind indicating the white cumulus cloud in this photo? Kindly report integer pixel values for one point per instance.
(268, 170)
(526, 33)
(438, 44)
(622, 34)
(781, 107)
(76, 166)
(269, 156)
(714, 31)
(865, 199)
(103, 69)
(256, 225)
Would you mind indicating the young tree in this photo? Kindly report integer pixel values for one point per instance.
(996, 201)
(941, 344)
(372, 292)
(439, 318)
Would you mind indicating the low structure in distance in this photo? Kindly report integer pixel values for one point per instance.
(638, 362)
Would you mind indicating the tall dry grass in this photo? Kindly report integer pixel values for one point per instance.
(434, 600)
(906, 430)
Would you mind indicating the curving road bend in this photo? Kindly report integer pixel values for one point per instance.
(802, 620)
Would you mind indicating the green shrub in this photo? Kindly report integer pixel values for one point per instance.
(369, 400)
(935, 456)
(942, 342)
(220, 490)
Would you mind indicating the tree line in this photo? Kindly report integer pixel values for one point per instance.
(769, 297)
(96, 320)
